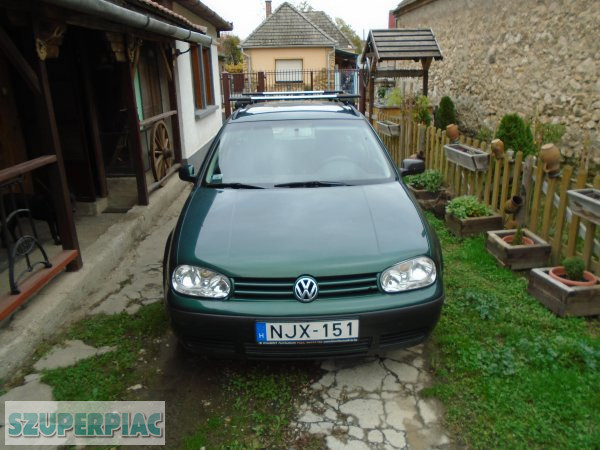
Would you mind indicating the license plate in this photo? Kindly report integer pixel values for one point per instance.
(301, 332)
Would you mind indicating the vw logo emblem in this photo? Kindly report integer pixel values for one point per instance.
(306, 289)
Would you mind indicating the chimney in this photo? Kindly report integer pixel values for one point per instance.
(391, 20)
(268, 6)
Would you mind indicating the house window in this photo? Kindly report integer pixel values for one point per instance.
(203, 84)
(288, 70)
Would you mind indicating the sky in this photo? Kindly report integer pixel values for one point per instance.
(362, 15)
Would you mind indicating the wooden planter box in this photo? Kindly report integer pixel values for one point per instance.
(585, 203)
(422, 194)
(518, 257)
(561, 299)
(472, 226)
(388, 128)
(468, 157)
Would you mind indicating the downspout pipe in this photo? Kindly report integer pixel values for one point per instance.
(115, 13)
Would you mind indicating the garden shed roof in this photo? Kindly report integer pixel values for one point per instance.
(402, 44)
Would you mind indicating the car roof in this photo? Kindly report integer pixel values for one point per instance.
(299, 109)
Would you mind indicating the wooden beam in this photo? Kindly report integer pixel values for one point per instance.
(19, 62)
(135, 139)
(399, 73)
(426, 63)
(158, 117)
(9, 303)
(226, 93)
(175, 107)
(25, 167)
(57, 175)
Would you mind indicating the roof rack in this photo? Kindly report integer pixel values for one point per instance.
(256, 97)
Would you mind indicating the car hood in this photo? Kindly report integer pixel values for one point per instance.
(287, 232)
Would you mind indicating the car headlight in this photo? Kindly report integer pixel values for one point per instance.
(407, 275)
(200, 282)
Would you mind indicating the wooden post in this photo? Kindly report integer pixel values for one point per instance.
(426, 63)
(372, 89)
(58, 180)
(261, 82)
(226, 93)
(135, 147)
(173, 105)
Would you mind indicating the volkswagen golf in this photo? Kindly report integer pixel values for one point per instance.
(299, 239)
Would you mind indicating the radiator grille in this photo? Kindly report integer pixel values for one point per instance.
(283, 288)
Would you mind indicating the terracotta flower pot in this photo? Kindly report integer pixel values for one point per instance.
(513, 204)
(558, 273)
(452, 132)
(526, 240)
(498, 148)
(550, 156)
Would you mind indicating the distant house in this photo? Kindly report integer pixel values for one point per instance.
(290, 43)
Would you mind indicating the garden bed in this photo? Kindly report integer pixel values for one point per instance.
(472, 226)
(518, 257)
(468, 157)
(585, 203)
(561, 299)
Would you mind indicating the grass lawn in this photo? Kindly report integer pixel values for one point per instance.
(510, 373)
(107, 376)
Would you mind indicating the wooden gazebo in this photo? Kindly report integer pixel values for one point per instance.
(397, 44)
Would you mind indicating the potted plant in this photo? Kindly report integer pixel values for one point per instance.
(585, 203)
(425, 186)
(467, 216)
(518, 249)
(568, 289)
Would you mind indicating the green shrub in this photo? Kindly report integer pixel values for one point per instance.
(547, 133)
(485, 134)
(574, 267)
(394, 98)
(518, 239)
(446, 113)
(467, 206)
(516, 134)
(430, 180)
(421, 113)
(381, 93)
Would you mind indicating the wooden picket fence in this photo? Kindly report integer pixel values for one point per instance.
(546, 211)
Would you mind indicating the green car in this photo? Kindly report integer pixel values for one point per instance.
(300, 240)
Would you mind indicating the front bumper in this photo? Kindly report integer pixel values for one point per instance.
(234, 336)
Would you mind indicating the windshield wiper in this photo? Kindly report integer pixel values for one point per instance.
(234, 185)
(311, 184)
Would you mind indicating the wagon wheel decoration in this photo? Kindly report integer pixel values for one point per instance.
(161, 153)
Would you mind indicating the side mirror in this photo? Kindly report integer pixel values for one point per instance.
(412, 167)
(186, 173)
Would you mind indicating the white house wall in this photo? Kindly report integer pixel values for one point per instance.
(197, 127)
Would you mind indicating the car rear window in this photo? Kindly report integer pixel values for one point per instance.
(277, 152)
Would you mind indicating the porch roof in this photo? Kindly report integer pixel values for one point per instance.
(396, 44)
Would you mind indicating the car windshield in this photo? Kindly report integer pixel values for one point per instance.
(298, 153)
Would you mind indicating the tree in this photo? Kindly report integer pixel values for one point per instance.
(230, 46)
(446, 113)
(516, 134)
(304, 6)
(350, 33)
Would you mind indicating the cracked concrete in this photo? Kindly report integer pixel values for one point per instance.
(374, 403)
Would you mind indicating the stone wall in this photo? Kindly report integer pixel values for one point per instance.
(503, 56)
